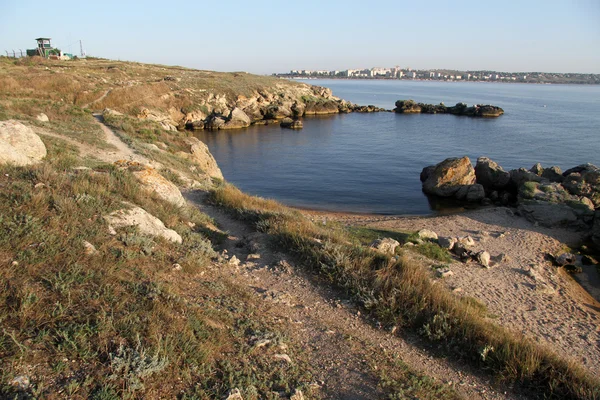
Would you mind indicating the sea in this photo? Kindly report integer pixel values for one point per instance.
(370, 163)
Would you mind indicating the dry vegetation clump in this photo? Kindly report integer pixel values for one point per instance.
(399, 291)
(119, 322)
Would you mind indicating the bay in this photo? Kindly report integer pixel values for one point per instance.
(370, 163)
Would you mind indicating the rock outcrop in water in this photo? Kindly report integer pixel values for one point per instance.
(542, 195)
(480, 110)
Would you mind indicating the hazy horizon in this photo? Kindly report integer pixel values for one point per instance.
(264, 38)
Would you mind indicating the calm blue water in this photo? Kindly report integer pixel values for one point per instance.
(371, 162)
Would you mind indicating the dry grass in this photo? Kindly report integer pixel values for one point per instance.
(399, 292)
(121, 323)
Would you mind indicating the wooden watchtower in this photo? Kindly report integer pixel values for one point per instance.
(43, 48)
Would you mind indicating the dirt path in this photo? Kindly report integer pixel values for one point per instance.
(524, 292)
(343, 344)
(99, 99)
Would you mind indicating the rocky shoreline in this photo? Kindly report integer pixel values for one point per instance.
(545, 196)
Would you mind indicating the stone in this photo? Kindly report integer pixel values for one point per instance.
(19, 145)
(461, 250)
(237, 119)
(407, 107)
(234, 394)
(491, 175)
(177, 267)
(321, 107)
(283, 357)
(147, 223)
(153, 182)
(446, 242)
(42, 117)
(572, 268)
(234, 261)
(202, 157)
(385, 245)
(588, 260)
(89, 249)
(214, 122)
(483, 258)
(443, 272)
(466, 241)
(291, 123)
(475, 193)
(521, 175)
(553, 174)
(21, 383)
(427, 234)
(252, 256)
(426, 172)
(449, 176)
(548, 214)
(537, 169)
(298, 395)
(586, 183)
(566, 258)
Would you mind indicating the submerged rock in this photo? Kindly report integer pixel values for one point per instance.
(291, 123)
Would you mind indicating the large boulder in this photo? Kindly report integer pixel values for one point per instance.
(407, 107)
(449, 176)
(153, 182)
(201, 156)
(321, 107)
(471, 193)
(519, 176)
(147, 223)
(491, 175)
(19, 145)
(237, 119)
(584, 181)
(214, 122)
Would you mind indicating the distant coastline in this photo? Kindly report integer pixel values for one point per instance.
(431, 80)
(444, 75)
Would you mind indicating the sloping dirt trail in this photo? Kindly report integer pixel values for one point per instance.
(344, 345)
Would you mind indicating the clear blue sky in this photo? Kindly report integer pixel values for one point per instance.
(270, 36)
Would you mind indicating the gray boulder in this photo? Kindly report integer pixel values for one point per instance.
(491, 175)
(385, 245)
(584, 183)
(553, 174)
(237, 119)
(521, 175)
(449, 176)
(147, 223)
(19, 145)
(471, 193)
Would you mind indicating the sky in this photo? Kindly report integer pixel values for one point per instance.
(265, 37)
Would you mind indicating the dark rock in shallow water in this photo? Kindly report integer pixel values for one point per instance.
(291, 123)
(411, 107)
(407, 107)
(491, 175)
